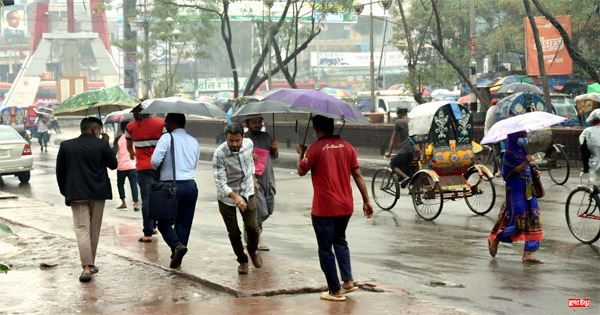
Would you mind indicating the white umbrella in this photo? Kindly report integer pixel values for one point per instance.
(180, 105)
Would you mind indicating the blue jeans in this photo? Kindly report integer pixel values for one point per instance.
(331, 232)
(132, 175)
(145, 178)
(43, 138)
(187, 194)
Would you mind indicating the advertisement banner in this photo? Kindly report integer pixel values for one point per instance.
(556, 58)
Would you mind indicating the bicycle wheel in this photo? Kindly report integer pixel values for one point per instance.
(559, 166)
(385, 188)
(427, 197)
(484, 193)
(583, 217)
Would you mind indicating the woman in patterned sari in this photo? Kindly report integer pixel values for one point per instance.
(519, 218)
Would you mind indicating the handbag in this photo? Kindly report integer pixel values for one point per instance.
(162, 197)
(537, 182)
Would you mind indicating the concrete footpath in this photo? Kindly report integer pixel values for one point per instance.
(282, 285)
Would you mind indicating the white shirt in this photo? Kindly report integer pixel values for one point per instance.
(592, 135)
(187, 153)
(42, 124)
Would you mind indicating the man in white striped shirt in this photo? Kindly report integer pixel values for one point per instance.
(233, 169)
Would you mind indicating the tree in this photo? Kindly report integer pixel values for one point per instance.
(439, 46)
(575, 55)
(413, 57)
(540, 55)
(286, 25)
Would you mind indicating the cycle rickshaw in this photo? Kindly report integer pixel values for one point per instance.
(441, 134)
(585, 104)
(548, 156)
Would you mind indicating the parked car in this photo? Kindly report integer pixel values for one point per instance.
(15, 154)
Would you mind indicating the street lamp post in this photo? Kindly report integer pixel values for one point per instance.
(358, 7)
(269, 4)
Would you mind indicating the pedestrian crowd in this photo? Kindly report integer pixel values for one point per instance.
(152, 150)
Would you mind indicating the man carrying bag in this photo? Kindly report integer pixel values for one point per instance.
(176, 155)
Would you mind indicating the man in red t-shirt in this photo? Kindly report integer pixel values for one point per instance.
(331, 161)
(143, 133)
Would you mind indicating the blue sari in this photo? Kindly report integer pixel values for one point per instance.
(519, 218)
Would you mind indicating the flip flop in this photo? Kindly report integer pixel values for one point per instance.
(263, 248)
(345, 291)
(136, 209)
(493, 251)
(122, 207)
(533, 261)
(142, 240)
(329, 297)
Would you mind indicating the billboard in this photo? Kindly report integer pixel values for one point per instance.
(13, 23)
(556, 58)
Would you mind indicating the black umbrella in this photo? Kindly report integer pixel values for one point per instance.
(271, 111)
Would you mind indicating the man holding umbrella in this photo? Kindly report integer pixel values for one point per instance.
(265, 149)
(331, 161)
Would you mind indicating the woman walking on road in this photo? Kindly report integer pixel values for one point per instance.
(126, 169)
(519, 218)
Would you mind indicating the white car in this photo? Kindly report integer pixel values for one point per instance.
(15, 154)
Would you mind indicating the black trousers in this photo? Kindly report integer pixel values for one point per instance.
(229, 214)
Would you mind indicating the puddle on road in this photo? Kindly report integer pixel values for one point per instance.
(45, 271)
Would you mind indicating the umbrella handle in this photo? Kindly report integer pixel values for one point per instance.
(306, 132)
(343, 124)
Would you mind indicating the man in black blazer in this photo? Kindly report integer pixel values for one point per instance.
(83, 180)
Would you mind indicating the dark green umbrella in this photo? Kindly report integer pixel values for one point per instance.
(100, 101)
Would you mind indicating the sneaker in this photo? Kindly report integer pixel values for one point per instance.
(178, 254)
(256, 259)
(243, 268)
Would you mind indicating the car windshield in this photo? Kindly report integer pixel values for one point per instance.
(564, 107)
(8, 134)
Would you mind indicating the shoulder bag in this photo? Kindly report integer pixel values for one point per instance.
(162, 197)
(537, 182)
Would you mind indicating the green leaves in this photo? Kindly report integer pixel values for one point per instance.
(4, 268)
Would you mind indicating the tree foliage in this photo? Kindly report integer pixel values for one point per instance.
(500, 33)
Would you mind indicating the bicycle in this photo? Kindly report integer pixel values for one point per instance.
(582, 211)
(385, 187)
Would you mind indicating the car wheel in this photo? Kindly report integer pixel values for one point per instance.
(24, 177)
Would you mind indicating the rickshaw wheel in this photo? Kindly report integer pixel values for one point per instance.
(427, 196)
(385, 188)
(484, 196)
(559, 166)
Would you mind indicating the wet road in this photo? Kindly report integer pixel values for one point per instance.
(445, 261)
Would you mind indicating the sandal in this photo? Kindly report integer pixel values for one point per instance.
(493, 251)
(346, 291)
(329, 297)
(122, 207)
(143, 240)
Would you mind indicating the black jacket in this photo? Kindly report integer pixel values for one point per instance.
(81, 168)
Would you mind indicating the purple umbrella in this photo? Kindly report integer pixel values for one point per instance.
(319, 103)
(526, 122)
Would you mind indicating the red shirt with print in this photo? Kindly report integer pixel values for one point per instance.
(330, 161)
(144, 134)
